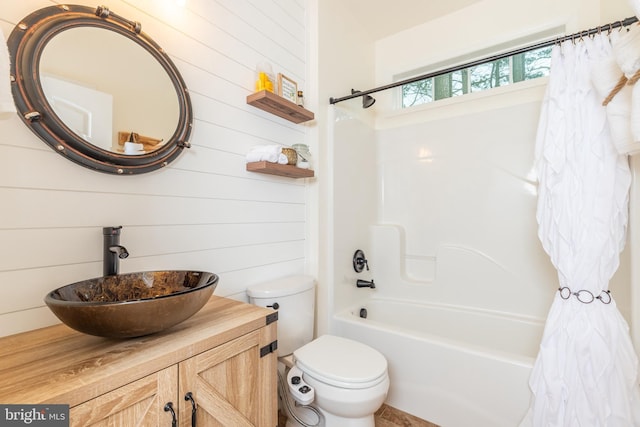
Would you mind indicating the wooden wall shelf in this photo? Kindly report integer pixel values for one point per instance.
(278, 169)
(274, 104)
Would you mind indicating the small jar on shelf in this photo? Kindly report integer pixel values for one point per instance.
(304, 156)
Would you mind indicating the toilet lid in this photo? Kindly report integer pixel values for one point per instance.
(341, 362)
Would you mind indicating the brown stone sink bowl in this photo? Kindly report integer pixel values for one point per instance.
(133, 304)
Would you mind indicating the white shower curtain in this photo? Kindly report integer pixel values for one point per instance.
(586, 371)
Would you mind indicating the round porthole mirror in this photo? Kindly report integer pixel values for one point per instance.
(98, 90)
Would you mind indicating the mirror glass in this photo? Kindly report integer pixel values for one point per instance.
(117, 90)
(98, 90)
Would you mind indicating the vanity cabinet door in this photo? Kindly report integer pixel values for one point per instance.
(140, 403)
(232, 385)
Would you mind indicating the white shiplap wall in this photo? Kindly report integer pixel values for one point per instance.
(203, 211)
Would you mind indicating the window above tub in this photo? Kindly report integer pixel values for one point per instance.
(481, 76)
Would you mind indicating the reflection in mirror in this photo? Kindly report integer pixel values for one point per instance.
(98, 90)
(118, 88)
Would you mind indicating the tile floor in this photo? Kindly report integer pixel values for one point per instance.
(386, 416)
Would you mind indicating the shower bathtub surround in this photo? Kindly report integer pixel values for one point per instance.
(455, 231)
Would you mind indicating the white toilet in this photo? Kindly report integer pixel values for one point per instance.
(345, 380)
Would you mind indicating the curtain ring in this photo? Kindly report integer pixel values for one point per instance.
(558, 40)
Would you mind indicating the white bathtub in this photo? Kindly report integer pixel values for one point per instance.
(453, 366)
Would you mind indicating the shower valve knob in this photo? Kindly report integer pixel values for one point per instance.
(360, 261)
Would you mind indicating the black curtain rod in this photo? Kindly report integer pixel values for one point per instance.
(608, 27)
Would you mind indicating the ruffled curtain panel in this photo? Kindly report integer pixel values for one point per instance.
(586, 373)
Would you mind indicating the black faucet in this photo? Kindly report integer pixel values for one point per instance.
(113, 252)
(365, 284)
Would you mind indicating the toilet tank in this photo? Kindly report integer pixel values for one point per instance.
(294, 297)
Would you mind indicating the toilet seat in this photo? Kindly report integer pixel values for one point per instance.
(341, 362)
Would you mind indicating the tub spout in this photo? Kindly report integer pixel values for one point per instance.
(365, 284)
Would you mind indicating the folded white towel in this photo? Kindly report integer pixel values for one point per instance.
(267, 153)
(260, 157)
(7, 106)
(253, 156)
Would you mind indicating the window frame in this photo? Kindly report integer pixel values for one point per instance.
(441, 85)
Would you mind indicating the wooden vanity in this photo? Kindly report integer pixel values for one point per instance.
(225, 356)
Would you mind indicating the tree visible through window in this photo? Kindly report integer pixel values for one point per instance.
(513, 69)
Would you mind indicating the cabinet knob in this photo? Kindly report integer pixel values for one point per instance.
(169, 408)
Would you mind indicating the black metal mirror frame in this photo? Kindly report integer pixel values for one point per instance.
(26, 43)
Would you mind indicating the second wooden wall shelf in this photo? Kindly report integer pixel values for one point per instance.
(278, 169)
(274, 104)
